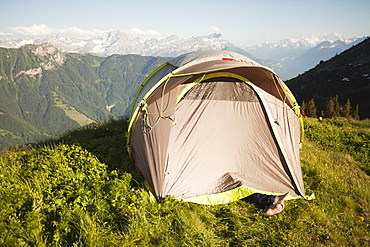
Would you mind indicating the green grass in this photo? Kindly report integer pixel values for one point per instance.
(343, 135)
(71, 112)
(82, 190)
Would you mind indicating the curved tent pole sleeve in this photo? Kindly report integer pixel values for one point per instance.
(188, 88)
(206, 77)
(142, 85)
(296, 106)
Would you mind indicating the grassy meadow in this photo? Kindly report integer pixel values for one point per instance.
(82, 190)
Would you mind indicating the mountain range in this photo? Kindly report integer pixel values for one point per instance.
(118, 42)
(287, 57)
(297, 55)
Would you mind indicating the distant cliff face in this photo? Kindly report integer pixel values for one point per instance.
(48, 53)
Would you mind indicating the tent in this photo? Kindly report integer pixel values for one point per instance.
(213, 127)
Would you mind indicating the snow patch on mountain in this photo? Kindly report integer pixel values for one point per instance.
(119, 42)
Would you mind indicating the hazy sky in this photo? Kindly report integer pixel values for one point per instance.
(241, 22)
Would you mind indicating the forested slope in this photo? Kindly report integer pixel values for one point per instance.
(44, 92)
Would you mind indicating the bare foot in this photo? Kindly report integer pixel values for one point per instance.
(274, 209)
(277, 206)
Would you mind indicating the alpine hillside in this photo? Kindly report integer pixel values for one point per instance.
(346, 75)
(44, 92)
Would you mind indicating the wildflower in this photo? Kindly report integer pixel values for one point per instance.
(362, 218)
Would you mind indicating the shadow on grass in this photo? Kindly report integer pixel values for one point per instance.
(107, 141)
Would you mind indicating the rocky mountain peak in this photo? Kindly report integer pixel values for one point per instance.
(42, 49)
(47, 52)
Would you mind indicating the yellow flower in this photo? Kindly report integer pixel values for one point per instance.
(362, 218)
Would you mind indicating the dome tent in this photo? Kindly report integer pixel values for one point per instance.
(213, 127)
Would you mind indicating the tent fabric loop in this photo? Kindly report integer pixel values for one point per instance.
(149, 127)
(188, 88)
